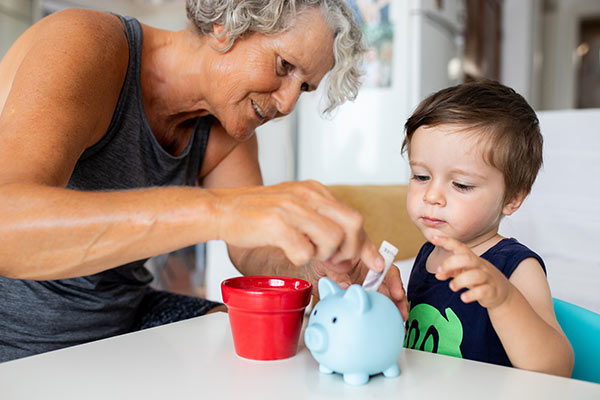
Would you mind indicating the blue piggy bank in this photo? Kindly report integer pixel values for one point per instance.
(354, 332)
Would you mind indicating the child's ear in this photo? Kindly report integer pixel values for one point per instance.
(514, 203)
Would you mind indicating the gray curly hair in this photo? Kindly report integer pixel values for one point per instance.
(273, 16)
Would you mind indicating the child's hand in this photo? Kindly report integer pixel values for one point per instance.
(486, 283)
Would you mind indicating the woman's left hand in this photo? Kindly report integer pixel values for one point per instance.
(348, 272)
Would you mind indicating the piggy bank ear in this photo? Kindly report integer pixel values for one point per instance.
(327, 287)
(358, 297)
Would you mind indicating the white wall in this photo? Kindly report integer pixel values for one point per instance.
(15, 18)
(361, 143)
(522, 48)
(561, 32)
(560, 220)
(160, 14)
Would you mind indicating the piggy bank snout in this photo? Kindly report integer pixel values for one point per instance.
(315, 338)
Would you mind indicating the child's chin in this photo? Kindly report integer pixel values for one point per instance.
(430, 235)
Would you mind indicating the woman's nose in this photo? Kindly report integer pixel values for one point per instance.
(287, 96)
(434, 196)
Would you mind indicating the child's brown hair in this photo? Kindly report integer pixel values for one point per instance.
(508, 125)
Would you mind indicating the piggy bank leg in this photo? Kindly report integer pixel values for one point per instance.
(392, 372)
(356, 378)
(324, 369)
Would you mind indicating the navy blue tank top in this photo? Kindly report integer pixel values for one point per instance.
(38, 316)
(440, 322)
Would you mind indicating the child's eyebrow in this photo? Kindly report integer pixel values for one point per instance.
(459, 171)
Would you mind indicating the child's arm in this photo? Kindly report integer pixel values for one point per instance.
(520, 308)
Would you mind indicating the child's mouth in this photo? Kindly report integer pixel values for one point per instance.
(433, 222)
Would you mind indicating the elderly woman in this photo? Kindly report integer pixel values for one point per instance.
(107, 126)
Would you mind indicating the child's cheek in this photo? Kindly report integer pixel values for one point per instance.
(412, 208)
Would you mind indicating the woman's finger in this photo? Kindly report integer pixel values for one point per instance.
(393, 288)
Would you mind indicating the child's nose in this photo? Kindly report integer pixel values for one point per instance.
(434, 196)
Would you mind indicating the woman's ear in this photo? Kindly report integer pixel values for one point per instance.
(219, 39)
(514, 203)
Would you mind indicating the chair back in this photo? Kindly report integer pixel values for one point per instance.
(582, 328)
(383, 208)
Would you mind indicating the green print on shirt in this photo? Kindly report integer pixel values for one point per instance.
(429, 330)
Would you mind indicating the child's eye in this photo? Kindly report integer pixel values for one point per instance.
(420, 178)
(462, 187)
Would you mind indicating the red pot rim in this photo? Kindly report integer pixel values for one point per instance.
(266, 293)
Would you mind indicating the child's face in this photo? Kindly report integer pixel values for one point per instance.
(453, 191)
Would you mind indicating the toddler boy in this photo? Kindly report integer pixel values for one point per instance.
(475, 150)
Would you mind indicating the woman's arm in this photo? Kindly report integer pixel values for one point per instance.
(66, 74)
(240, 167)
(51, 232)
(61, 82)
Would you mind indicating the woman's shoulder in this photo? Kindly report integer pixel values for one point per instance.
(72, 64)
(81, 20)
(94, 32)
(89, 43)
(75, 34)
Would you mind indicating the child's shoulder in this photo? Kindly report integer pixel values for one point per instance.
(507, 254)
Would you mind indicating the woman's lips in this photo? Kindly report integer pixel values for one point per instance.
(432, 222)
(258, 112)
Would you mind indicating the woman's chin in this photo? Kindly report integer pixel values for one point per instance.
(244, 136)
(241, 133)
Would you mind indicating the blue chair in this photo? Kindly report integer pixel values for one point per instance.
(582, 328)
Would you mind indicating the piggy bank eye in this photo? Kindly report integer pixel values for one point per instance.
(315, 313)
(334, 320)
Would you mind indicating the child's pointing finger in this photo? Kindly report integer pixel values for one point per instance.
(450, 244)
(453, 266)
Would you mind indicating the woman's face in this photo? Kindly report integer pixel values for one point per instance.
(261, 77)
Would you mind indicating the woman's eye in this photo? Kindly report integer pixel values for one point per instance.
(420, 178)
(462, 187)
(304, 87)
(284, 67)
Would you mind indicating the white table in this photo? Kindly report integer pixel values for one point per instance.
(195, 359)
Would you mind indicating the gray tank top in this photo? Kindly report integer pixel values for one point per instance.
(38, 316)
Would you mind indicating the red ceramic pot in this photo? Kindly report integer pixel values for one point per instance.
(266, 313)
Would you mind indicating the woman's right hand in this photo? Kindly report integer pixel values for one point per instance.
(303, 219)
